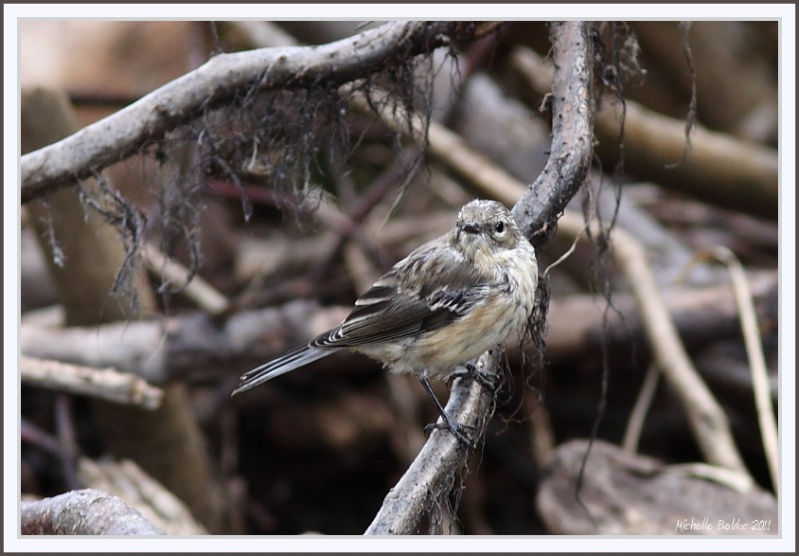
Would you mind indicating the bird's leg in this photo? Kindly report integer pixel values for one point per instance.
(454, 428)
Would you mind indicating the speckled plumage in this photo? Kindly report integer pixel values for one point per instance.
(444, 304)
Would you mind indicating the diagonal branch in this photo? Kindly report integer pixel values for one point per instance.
(571, 152)
(428, 480)
(218, 81)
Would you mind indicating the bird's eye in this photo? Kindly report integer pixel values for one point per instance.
(499, 227)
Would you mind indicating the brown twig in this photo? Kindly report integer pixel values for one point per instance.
(207, 298)
(67, 438)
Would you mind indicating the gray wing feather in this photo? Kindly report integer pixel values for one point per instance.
(289, 361)
(423, 292)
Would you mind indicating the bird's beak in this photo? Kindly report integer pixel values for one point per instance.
(470, 228)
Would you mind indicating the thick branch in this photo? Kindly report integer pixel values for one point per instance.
(571, 152)
(429, 478)
(83, 512)
(218, 81)
(627, 494)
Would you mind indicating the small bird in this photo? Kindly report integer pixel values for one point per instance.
(443, 305)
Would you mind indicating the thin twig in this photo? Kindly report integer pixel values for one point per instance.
(638, 415)
(67, 438)
(207, 298)
(757, 360)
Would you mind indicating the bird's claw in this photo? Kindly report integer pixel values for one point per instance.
(456, 430)
(489, 381)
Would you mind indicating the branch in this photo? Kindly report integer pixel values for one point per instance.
(757, 361)
(429, 478)
(198, 290)
(571, 152)
(83, 512)
(219, 81)
(108, 384)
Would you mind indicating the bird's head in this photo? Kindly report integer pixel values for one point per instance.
(485, 228)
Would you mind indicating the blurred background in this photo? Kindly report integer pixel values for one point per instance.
(289, 208)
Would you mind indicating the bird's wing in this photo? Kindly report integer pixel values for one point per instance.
(400, 304)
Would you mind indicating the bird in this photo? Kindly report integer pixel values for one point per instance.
(440, 307)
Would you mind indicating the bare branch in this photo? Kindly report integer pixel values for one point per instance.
(108, 384)
(220, 79)
(429, 478)
(571, 152)
(628, 494)
(83, 512)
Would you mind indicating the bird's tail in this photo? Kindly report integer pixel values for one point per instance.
(287, 362)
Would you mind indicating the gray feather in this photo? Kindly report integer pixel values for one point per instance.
(287, 362)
